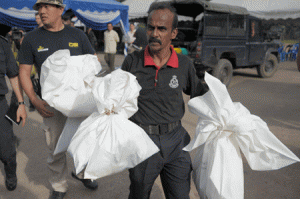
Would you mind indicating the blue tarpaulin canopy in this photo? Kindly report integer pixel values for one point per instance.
(93, 13)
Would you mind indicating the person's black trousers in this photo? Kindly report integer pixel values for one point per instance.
(7, 146)
(171, 163)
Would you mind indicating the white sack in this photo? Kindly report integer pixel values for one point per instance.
(107, 142)
(66, 82)
(224, 127)
(68, 132)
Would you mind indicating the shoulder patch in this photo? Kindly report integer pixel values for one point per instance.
(3, 38)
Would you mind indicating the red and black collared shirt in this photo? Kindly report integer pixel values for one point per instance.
(160, 100)
(148, 61)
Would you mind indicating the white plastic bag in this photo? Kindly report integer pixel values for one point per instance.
(66, 82)
(67, 134)
(107, 142)
(224, 128)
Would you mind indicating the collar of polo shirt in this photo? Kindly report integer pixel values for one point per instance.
(172, 62)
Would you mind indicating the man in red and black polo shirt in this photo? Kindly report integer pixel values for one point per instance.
(163, 76)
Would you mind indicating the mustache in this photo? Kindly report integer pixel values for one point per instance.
(152, 39)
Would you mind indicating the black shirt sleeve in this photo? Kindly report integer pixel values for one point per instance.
(195, 86)
(25, 53)
(8, 65)
(11, 64)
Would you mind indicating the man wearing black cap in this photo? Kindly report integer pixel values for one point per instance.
(37, 46)
(163, 76)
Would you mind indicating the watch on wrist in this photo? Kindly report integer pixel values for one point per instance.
(21, 103)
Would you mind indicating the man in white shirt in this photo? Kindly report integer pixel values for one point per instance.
(131, 38)
(111, 38)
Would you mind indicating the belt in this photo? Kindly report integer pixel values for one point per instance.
(160, 129)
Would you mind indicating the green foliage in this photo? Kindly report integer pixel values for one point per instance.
(290, 41)
(292, 27)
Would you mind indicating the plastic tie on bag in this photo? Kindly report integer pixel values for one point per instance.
(109, 112)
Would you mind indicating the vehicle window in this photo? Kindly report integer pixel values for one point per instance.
(215, 24)
(186, 31)
(186, 34)
(236, 25)
(255, 33)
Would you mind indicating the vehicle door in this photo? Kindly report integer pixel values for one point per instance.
(237, 38)
(255, 43)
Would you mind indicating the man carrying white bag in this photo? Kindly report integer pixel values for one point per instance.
(106, 142)
(224, 128)
(36, 47)
(66, 83)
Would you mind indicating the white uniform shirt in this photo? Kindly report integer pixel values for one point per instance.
(110, 41)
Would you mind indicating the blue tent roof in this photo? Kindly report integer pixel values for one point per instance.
(95, 5)
(93, 13)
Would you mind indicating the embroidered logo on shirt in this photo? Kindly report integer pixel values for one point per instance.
(174, 82)
(41, 49)
(73, 45)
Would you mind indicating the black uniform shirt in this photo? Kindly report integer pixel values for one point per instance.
(39, 44)
(8, 65)
(161, 100)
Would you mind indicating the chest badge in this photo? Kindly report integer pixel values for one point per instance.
(41, 49)
(73, 45)
(174, 82)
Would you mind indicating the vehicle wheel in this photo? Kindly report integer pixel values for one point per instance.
(269, 68)
(223, 71)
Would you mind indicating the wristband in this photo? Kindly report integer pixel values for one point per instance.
(21, 103)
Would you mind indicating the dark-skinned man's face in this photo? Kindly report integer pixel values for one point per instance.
(159, 29)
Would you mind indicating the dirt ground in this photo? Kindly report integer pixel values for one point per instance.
(275, 100)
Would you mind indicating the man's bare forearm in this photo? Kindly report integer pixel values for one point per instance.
(15, 84)
(26, 83)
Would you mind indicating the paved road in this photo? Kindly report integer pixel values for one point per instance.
(275, 100)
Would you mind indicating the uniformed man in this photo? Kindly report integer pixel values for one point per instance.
(37, 46)
(163, 76)
(8, 66)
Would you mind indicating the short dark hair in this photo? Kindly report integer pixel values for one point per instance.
(109, 23)
(36, 14)
(165, 5)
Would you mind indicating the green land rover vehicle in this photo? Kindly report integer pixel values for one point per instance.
(220, 38)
